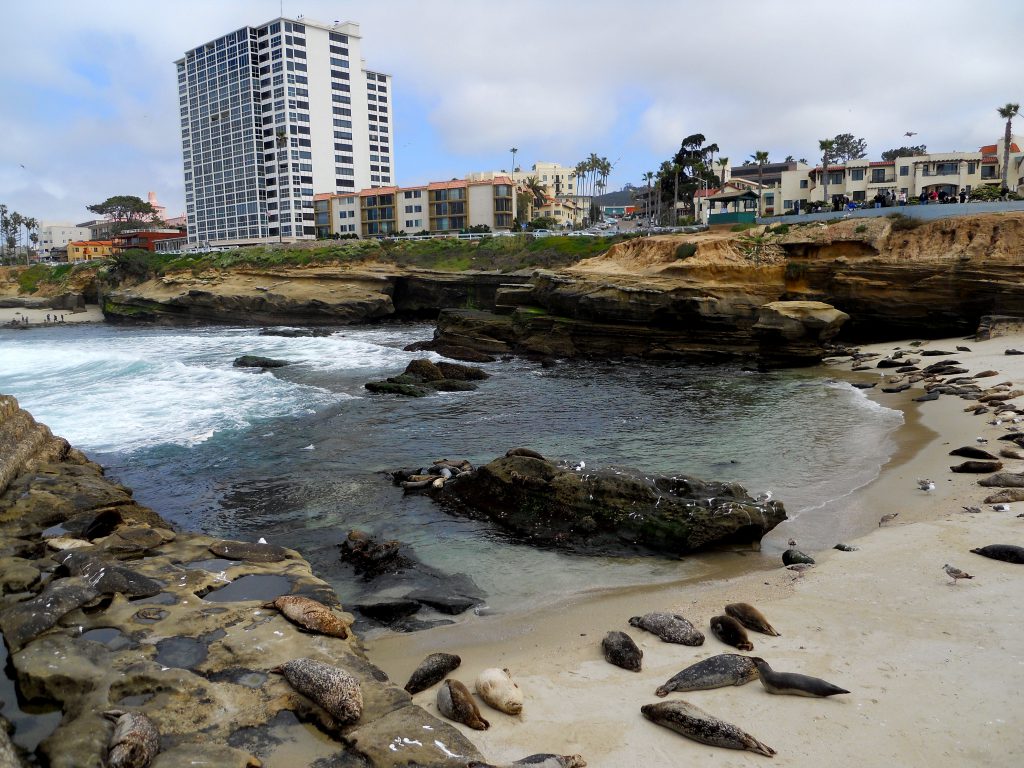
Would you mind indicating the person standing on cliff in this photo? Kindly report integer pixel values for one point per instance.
(963, 194)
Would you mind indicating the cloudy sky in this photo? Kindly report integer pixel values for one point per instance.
(90, 100)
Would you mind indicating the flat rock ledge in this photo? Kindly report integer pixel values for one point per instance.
(192, 658)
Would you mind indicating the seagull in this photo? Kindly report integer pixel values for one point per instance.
(262, 540)
(887, 518)
(1001, 507)
(580, 466)
(763, 497)
(926, 485)
(792, 542)
(981, 440)
(972, 510)
(955, 573)
(908, 134)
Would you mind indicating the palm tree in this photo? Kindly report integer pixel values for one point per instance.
(760, 157)
(1008, 112)
(581, 184)
(722, 163)
(30, 237)
(536, 189)
(513, 151)
(647, 178)
(827, 146)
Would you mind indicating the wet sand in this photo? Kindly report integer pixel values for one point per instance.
(37, 317)
(935, 670)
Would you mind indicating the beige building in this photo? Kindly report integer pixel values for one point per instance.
(53, 236)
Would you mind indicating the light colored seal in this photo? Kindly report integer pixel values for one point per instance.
(432, 670)
(731, 632)
(311, 615)
(794, 684)
(694, 723)
(455, 702)
(750, 617)
(538, 761)
(715, 672)
(620, 650)
(135, 742)
(334, 689)
(670, 627)
(497, 688)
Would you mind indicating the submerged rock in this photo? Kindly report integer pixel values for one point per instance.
(422, 376)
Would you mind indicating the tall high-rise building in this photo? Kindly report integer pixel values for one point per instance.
(271, 114)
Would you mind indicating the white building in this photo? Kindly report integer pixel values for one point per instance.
(59, 235)
(268, 115)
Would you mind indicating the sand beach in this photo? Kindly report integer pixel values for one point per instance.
(91, 313)
(935, 669)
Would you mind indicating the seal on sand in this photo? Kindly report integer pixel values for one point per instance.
(794, 684)
(309, 614)
(750, 617)
(497, 688)
(670, 627)
(715, 672)
(432, 669)
(135, 742)
(1009, 553)
(455, 702)
(731, 632)
(694, 723)
(539, 761)
(331, 687)
(620, 650)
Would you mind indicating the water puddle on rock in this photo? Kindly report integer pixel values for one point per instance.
(252, 587)
(214, 565)
(114, 639)
(32, 722)
(285, 742)
(181, 652)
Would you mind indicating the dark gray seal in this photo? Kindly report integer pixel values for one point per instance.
(715, 672)
(620, 650)
(334, 689)
(431, 670)
(135, 742)
(244, 550)
(545, 760)
(670, 627)
(524, 452)
(694, 723)
(455, 702)
(731, 632)
(1009, 553)
(751, 618)
(794, 684)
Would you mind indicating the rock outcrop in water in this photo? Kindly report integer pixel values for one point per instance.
(609, 510)
(195, 657)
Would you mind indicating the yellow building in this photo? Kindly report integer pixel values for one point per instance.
(87, 250)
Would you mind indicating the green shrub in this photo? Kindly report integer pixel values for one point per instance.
(902, 223)
(860, 228)
(685, 250)
(742, 227)
(28, 280)
(779, 229)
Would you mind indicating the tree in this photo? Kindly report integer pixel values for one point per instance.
(127, 211)
(892, 154)
(827, 147)
(15, 221)
(789, 159)
(647, 180)
(1008, 112)
(694, 158)
(723, 163)
(760, 157)
(847, 147)
(537, 189)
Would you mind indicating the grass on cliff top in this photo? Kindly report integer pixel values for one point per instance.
(38, 275)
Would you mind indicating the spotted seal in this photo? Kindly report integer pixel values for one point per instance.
(455, 702)
(670, 627)
(309, 614)
(497, 688)
(244, 550)
(334, 689)
(715, 672)
(135, 741)
(1009, 553)
(694, 723)
(794, 684)
(431, 670)
(620, 650)
(539, 761)
(731, 632)
(751, 618)
(529, 453)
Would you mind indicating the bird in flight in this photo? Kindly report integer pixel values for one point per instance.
(955, 573)
(908, 134)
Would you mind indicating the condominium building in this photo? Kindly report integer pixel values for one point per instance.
(58, 236)
(269, 114)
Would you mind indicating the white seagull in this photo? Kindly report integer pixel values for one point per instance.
(926, 485)
(1001, 507)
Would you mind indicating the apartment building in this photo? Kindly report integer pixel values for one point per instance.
(270, 113)
(87, 250)
(58, 236)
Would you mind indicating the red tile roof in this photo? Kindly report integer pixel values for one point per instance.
(884, 162)
(453, 184)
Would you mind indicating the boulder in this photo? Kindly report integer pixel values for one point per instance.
(255, 361)
(422, 375)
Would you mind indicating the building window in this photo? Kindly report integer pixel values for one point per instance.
(856, 174)
(904, 170)
(803, 183)
(877, 175)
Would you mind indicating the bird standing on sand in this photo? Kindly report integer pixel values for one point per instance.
(926, 485)
(980, 440)
(955, 573)
(887, 518)
(972, 510)
(1001, 507)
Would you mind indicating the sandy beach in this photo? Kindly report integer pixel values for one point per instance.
(935, 670)
(36, 317)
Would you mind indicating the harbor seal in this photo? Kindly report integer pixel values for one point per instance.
(524, 452)
(670, 627)
(539, 761)
(334, 689)
(751, 618)
(792, 683)
(1009, 553)
(455, 702)
(497, 688)
(244, 550)
(431, 670)
(135, 741)
(715, 672)
(311, 615)
(694, 723)
(731, 632)
(620, 650)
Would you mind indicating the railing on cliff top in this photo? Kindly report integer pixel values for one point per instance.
(929, 212)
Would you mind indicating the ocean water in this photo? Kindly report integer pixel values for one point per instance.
(298, 454)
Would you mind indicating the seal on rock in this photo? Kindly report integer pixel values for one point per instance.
(544, 760)
(244, 550)
(1009, 553)
(751, 618)
(334, 689)
(497, 688)
(620, 650)
(135, 742)
(715, 672)
(794, 684)
(455, 702)
(694, 723)
(309, 614)
(431, 670)
(731, 632)
(524, 452)
(670, 627)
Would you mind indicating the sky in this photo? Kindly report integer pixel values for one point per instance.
(90, 108)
